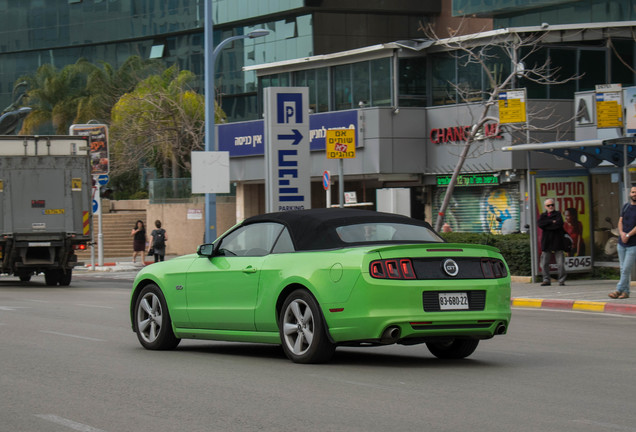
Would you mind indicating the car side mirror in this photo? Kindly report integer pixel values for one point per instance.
(206, 250)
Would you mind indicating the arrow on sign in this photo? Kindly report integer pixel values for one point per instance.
(295, 135)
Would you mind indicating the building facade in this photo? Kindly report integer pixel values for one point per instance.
(369, 66)
(412, 103)
(59, 32)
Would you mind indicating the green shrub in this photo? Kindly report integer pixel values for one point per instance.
(514, 247)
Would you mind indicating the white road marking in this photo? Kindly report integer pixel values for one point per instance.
(73, 336)
(68, 423)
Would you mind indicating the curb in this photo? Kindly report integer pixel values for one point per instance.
(578, 305)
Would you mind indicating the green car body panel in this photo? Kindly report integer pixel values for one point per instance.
(239, 298)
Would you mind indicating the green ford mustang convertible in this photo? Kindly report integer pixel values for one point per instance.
(312, 280)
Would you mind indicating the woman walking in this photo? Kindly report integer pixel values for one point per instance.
(138, 233)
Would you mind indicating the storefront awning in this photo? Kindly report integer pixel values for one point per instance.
(588, 153)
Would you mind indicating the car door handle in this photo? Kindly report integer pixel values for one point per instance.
(249, 269)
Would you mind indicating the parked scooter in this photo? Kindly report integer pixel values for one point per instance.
(611, 245)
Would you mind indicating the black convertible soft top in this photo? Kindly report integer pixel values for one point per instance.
(315, 229)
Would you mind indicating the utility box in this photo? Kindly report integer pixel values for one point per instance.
(394, 200)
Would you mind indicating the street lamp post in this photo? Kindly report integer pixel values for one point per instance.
(210, 145)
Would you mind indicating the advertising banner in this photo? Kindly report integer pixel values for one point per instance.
(630, 110)
(572, 197)
(99, 145)
(247, 138)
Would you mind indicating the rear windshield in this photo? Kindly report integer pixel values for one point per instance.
(372, 232)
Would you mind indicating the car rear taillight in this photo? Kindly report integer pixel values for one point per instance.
(493, 268)
(80, 246)
(392, 269)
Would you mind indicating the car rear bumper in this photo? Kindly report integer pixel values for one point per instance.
(375, 310)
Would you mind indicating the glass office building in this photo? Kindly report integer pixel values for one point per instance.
(517, 13)
(59, 32)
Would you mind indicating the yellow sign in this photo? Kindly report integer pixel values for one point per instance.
(341, 143)
(609, 106)
(76, 184)
(512, 106)
(53, 211)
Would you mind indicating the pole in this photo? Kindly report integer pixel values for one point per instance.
(100, 235)
(341, 181)
(531, 213)
(93, 238)
(210, 145)
(626, 177)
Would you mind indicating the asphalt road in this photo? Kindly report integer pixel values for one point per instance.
(69, 362)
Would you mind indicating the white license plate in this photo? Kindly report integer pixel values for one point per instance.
(453, 301)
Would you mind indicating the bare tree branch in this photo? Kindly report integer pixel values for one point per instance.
(476, 51)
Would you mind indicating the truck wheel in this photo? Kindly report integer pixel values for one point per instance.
(65, 277)
(51, 277)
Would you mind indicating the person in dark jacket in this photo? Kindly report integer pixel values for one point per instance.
(552, 244)
(626, 246)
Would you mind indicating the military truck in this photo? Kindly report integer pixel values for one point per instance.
(45, 205)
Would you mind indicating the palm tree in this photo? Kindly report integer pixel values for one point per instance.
(53, 96)
(161, 122)
(105, 86)
(79, 92)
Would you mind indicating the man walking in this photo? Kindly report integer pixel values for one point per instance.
(551, 224)
(626, 246)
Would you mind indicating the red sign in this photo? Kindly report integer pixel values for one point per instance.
(340, 147)
(460, 133)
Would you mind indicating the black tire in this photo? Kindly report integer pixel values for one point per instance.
(65, 277)
(25, 277)
(51, 277)
(302, 329)
(152, 320)
(454, 349)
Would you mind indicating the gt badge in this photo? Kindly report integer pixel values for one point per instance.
(450, 267)
(179, 287)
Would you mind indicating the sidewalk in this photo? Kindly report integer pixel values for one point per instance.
(579, 295)
(120, 264)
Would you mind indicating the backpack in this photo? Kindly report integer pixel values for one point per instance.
(160, 239)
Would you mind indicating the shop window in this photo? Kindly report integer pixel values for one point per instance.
(442, 79)
(498, 63)
(307, 78)
(468, 80)
(361, 85)
(623, 63)
(342, 87)
(533, 60)
(381, 82)
(563, 67)
(322, 90)
(591, 68)
(412, 82)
